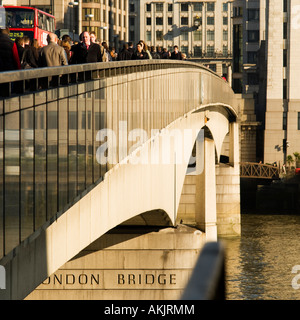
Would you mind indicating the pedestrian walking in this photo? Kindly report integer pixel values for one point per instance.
(30, 57)
(125, 54)
(176, 54)
(140, 54)
(85, 51)
(52, 55)
(9, 57)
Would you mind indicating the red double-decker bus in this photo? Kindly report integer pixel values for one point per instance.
(27, 21)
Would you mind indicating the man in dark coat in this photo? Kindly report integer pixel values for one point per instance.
(86, 51)
(130, 47)
(9, 58)
(176, 55)
(125, 54)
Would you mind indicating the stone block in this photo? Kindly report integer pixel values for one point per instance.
(118, 266)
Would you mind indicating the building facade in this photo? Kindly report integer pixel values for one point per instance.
(107, 18)
(246, 45)
(266, 50)
(282, 128)
(201, 29)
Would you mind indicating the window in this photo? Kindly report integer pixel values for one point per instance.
(197, 35)
(253, 14)
(285, 57)
(210, 35)
(237, 11)
(184, 49)
(170, 21)
(298, 120)
(184, 7)
(225, 21)
(225, 51)
(159, 35)
(197, 51)
(184, 36)
(284, 5)
(148, 7)
(198, 6)
(213, 67)
(169, 35)
(210, 51)
(284, 94)
(284, 121)
(252, 57)
(225, 7)
(184, 21)
(210, 21)
(285, 30)
(131, 35)
(148, 21)
(148, 35)
(159, 7)
(210, 6)
(225, 35)
(131, 7)
(170, 7)
(159, 21)
(253, 35)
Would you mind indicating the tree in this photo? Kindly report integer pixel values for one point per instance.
(297, 157)
(289, 160)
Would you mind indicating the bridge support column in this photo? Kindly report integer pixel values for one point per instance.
(228, 188)
(206, 188)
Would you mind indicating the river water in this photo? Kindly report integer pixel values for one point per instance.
(259, 263)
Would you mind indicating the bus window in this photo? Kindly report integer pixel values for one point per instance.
(53, 24)
(48, 27)
(2, 18)
(40, 20)
(45, 27)
(19, 18)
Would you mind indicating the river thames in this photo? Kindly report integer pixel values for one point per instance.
(259, 263)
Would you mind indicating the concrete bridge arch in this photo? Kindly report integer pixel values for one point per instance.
(129, 191)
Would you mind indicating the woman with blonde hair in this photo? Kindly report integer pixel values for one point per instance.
(145, 48)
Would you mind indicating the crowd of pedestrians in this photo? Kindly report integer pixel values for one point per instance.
(24, 53)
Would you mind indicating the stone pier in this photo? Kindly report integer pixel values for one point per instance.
(128, 264)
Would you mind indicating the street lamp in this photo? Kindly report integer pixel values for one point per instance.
(197, 22)
(90, 16)
(102, 34)
(72, 25)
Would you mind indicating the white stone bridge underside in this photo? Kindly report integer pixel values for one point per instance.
(138, 190)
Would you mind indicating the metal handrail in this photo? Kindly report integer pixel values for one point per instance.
(208, 278)
(258, 170)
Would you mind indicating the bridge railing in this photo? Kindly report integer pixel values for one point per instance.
(208, 278)
(30, 80)
(258, 170)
